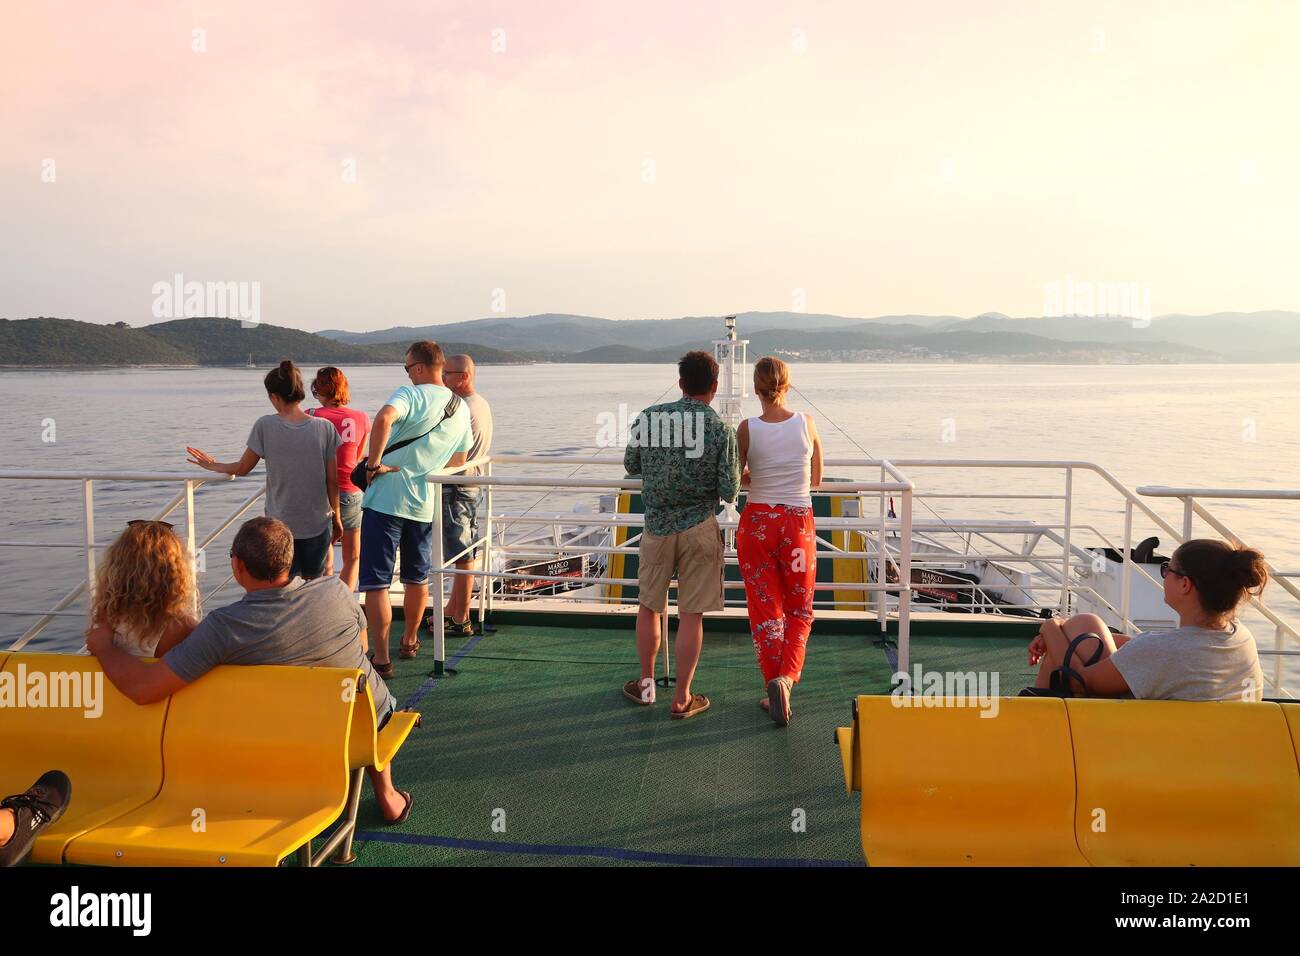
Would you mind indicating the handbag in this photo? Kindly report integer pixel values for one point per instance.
(359, 469)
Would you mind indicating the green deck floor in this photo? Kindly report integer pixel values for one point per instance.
(534, 732)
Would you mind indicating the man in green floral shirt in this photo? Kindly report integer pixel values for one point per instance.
(686, 456)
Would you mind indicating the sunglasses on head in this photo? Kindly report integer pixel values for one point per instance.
(166, 524)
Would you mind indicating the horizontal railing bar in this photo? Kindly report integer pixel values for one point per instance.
(198, 479)
(1280, 494)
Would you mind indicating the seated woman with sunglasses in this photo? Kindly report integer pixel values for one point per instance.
(1209, 656)
(144, 590)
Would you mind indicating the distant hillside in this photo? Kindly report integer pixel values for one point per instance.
(1234, 337)
(198, 341)
(1223, 337)
(43, 341)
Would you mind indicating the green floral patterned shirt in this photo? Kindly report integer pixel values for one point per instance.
(687, 459)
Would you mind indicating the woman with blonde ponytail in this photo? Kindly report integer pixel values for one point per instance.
(776, 542)
(1209, 656)
(302, 478)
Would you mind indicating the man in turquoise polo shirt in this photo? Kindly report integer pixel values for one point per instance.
(397, 510)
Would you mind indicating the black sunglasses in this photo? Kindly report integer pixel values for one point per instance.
(1166, 570)
(135, 521)
(411, 366)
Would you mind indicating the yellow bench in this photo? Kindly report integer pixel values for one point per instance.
(256, 765)
(368, 746)
(1176, 783)
(1157, 782)
(114, 760)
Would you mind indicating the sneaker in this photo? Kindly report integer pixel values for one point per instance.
(33, 811)
(640, 691)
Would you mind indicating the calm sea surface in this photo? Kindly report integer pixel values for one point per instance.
(1222, 425)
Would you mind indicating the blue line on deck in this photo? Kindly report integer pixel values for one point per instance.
(429, 684)
(891, 655)
(635, 856)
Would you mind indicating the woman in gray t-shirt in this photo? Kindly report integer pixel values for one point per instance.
(1210, 656)
(302, 480)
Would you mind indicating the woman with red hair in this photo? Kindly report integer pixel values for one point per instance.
(331, 389)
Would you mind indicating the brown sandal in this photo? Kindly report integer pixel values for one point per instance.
(698, 704)
(409, 651)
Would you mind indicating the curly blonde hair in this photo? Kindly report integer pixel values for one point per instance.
(145, 581)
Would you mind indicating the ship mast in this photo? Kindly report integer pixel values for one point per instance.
(732, 372)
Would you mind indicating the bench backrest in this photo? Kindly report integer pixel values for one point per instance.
(114, 760)
(1178, 783)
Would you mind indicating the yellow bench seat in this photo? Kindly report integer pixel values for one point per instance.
(115, 760)
(256, 765)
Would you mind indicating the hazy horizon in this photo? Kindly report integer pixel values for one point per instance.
(422, 164)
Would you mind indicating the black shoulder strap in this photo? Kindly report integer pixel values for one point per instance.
(453, 403)
(1061, 677)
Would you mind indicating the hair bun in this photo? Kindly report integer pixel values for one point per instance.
(286, 367)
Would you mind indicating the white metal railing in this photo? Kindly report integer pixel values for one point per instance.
(188, 480)
(444, 566)
(1192, 508)
(1048, 551)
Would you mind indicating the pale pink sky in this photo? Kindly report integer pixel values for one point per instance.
(936, 157)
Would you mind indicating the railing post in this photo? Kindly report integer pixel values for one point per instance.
(905, 586)
(1187, 518)
(1277, 659)
(189, 541)
(485, 588)
(1127, 569)
(882, 596)
(1065, 550)
(435, 585)
(88, 503)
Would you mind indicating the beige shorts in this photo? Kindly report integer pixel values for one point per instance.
(695, 555)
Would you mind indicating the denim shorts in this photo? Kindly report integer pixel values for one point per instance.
(459, 521)
(309, 555)
(382, 536)
(350, 509)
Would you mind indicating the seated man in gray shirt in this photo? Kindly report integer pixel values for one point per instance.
(279, 620)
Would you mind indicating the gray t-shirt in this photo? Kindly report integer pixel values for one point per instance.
(314, 623)
(480, 425)
(299, 456)
(1192, 663)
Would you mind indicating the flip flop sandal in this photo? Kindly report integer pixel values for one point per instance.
(406, 811)
(778, 701)
(409, 651)
(698, 705)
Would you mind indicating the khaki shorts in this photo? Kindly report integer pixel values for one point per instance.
(695, 555)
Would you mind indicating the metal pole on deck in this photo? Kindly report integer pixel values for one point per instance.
(905, 587)
(1065, 548)
(1126, 569)
(439, 636)
(668, 680)
(88, 499)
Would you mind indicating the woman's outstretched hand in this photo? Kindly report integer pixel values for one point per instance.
(202, 459)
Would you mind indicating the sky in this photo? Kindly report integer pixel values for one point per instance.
(364, 165)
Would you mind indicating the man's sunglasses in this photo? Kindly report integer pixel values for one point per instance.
(411, 366)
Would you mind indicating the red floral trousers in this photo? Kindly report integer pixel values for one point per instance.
(777, 549)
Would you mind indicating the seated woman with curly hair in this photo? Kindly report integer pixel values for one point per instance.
(144, 590)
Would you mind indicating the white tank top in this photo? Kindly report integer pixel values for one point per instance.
(780, 462)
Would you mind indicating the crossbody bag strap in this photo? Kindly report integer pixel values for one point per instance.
(453, 403)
